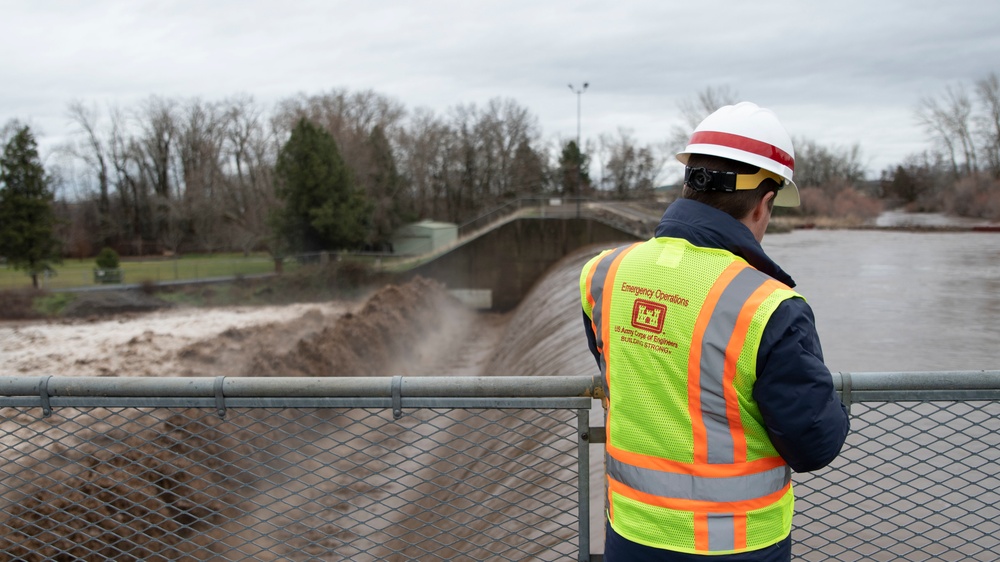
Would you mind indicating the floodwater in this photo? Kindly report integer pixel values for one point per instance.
(883, 300)
(899, 301)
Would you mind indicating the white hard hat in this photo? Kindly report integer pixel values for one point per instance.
(747, 133)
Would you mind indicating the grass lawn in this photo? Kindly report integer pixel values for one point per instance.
(80, 273)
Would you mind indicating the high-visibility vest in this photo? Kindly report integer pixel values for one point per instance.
(689, 463)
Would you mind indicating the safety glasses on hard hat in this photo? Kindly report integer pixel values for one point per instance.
(703, 179)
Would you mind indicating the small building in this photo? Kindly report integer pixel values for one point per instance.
(423, 237)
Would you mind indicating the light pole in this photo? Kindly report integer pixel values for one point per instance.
(579, 149)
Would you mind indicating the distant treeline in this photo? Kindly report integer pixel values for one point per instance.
(195, 175)
(182, 175)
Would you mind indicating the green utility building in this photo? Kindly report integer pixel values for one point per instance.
(423, 237)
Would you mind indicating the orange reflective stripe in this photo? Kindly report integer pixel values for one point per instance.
(679, 504)
(701, 531)
(740, 531)
(703, 470)
(698, 430)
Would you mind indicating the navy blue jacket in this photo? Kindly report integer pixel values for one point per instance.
(804, 417)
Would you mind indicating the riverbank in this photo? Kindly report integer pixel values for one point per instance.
(894, 220)
(307, 284)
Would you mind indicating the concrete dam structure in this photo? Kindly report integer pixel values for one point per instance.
(510, 259)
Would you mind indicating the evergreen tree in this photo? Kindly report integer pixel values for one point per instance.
(528, 171)
(323, 210)
(27, 221)
(573, 166)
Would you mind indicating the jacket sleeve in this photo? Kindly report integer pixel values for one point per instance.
(588, 328)
(805, 419)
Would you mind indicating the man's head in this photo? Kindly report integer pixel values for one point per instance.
(740, 148)
(726, 184)
(740, 160)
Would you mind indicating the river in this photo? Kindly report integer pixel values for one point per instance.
(898, 301)
(883, 300)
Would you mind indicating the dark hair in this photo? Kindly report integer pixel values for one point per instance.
(737, 204)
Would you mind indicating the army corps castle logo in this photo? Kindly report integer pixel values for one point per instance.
(648, 315)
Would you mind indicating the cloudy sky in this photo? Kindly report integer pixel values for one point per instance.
(839, 73)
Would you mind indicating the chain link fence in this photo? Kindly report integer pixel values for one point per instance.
(919, 477)
(432, 468)
(293, 469)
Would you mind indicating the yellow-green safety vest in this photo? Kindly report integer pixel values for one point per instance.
(689, 463)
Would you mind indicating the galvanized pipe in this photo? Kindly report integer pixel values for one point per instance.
(921, 380)
(313, 387)
(441, 387)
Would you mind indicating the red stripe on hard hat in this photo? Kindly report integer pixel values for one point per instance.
(745, 144)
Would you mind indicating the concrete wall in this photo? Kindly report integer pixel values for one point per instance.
(510, 259)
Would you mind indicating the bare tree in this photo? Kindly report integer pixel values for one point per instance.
(250, 150)
(93, 151)
(200, 145)
(830, 168)
(157, 144)
(948, 121)
(424, 149)
(988, 124)
(133, 208)
(156, 155)
(629, 170)
(348, 117)
(693, 110)
(483, 148)
(470, 168)
(504, 125)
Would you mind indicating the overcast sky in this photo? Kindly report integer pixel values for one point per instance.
(839, 73)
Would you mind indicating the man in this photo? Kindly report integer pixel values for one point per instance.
(714, 377)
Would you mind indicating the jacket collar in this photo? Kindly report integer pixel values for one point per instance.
(708, 227)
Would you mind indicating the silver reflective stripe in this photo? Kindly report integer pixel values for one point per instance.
(688, 487)
(721, 531)
(713, 359)
(597, 284)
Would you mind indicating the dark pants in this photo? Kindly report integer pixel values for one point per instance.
(620, 549)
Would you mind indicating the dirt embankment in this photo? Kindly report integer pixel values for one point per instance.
(140, 486)
(395, 332)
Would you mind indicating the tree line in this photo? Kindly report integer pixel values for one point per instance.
(960, 172)
(344, 169)
(191, 175)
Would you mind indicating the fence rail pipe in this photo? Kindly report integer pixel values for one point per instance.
(449, 387)
(920, 380)
(296, 387)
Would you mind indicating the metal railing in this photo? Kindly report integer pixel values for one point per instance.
(436, 468)
(294, 468)
(919, 476)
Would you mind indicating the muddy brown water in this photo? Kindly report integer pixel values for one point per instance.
(883, 300)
